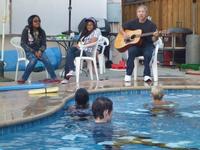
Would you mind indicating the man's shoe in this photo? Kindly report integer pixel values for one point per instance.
(21, 81)
(127, 78)
(147, 79)
(65, 81)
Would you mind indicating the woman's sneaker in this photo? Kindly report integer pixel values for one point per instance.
(65, 81)
(70, 74)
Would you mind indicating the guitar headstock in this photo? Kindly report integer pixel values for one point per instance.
(163, 32)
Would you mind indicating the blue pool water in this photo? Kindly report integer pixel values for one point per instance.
(132, 127)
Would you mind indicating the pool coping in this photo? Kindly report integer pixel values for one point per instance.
(65, 99)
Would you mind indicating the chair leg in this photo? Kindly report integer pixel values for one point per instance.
(17, 69)
(81, 66)
(78, 65)
(29, 79)
(136, 61)
(100, 58)
(104, 66)
(155, 71)
(95, 68)
(47, 74)
(89, 63)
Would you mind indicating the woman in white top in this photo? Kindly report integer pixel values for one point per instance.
(89, 35)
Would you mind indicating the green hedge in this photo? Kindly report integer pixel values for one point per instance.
(190, 66)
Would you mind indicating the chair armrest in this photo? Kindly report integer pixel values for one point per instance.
(103, 42)
(158, 44)
(82, 46)
(90, 44)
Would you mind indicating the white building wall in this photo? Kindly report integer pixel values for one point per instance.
(54, 14)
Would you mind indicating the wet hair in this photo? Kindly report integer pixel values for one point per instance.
(100, 105)
(157, 92)
(82, 98)
(85, 32)
(30, 24)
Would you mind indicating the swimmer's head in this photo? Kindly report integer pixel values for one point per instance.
(82, 98)
(157, 92)
(102, 109)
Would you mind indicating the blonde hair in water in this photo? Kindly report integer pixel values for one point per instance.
(157, 92)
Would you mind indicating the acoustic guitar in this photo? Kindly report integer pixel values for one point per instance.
(135, 38)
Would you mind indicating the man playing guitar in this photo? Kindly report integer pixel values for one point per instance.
(146, 47)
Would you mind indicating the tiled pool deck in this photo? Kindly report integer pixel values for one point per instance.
(18, 106)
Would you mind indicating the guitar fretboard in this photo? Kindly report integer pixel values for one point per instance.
(146, 34)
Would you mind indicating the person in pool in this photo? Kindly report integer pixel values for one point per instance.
(102, 110)
(81, 108)
(103, 130)
(159, 105)
(157, 94)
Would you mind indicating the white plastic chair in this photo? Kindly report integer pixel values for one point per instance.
(90, 60)
(21, 55)
(153, 63)
(101, 58)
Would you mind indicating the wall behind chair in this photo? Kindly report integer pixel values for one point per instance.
(54, 13)
(2, 5)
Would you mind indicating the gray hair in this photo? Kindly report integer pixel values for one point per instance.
(143, 6)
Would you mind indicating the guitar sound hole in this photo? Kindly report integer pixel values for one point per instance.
(127, 40)
(133, 36)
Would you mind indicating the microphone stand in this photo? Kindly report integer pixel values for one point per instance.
(69, 19)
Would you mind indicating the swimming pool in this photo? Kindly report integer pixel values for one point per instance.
(132, 127)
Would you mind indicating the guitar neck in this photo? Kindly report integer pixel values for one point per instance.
(146, 34)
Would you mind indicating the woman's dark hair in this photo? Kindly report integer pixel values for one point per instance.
(82, 98)
(85, 32)
(100, 105)
(30, 24)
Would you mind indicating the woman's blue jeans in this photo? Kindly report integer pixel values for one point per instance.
(33, 61)
(72, 53)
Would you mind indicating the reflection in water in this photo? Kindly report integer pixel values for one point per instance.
(103, 132)
(168, 109)
(80, 114)
(40, 105)
(36, 107)
(139, 140)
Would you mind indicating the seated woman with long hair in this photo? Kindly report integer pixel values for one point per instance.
(88, 36)
(33, 41)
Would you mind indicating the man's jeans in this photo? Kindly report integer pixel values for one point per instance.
(72, 53)
(33, 61)
(135, 51)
